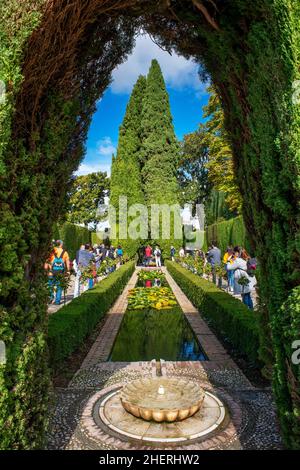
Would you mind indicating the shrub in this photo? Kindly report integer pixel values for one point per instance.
(229, 232)
(69, 326)
(73, 236)
(228, 315)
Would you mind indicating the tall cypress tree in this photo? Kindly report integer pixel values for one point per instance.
(160, 149)
(126, 175)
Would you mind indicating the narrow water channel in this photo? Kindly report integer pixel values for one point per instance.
(156, 334)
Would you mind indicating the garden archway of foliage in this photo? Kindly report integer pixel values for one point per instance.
(56, 58)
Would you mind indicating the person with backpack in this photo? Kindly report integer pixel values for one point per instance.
(120, 254)
(172, 253)
(59, 264)
(157, 254)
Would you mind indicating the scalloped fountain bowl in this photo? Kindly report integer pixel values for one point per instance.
(162, 399)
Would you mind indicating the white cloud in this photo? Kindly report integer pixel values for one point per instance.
(87, 168)
(179, 73)
(105, 147)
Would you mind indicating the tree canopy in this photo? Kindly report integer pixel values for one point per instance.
(206, 172)
(220, 159)
(85, 195)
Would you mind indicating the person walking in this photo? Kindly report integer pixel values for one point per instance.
(148, 254)
(157, 254)
(214, 259)
(85, 259)
(243, 282)
(229, 258)
(172, 253)
(111, 254)
(120, 254)
(59, 265)
(182, 252)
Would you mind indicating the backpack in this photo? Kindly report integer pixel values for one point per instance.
(58, 264)
(157, 252)
(251, 266)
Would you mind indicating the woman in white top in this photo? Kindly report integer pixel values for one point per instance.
(239, 266)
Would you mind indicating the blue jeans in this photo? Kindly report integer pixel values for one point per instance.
(53, 283)
(247, 300)
(230, 275)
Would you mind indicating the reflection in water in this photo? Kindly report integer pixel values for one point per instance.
(152, 334)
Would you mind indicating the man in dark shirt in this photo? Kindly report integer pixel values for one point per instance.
(214, 259)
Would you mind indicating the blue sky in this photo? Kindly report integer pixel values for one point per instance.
(187, 97)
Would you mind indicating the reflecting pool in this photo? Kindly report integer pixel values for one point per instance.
(156, 334)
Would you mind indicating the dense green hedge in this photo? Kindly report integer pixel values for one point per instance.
(69, 326)
(95, 239)
(73, 236)
(231, 318)
(229, 232)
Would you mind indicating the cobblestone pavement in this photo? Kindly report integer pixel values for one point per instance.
(251, 420)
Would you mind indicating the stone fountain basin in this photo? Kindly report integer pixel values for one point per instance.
(180, 400)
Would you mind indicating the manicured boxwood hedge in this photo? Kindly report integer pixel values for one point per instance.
(69, 326)
(231, 319)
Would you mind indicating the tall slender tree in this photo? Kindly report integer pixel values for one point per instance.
(160, 151)
(126, 175)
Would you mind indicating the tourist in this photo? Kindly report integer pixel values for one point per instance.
(141, 255)
(229, 257)
(172, 253)
(120, 254)
(77, 272)
(57, 265)
(214, 258)
(240, 269)
(86, 258)
(111, 254)
(102, 251)
(98, 254)
(148, 255)
(82, 247)
(157, 254)
(247, 290)
(182, 252)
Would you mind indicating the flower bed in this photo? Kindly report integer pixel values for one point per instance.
(159, 298)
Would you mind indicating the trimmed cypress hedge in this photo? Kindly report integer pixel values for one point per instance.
(229, 232)
(230, 317)
(73, 236)
(69, 326)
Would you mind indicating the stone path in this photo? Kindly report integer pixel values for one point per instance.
(251, 420)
